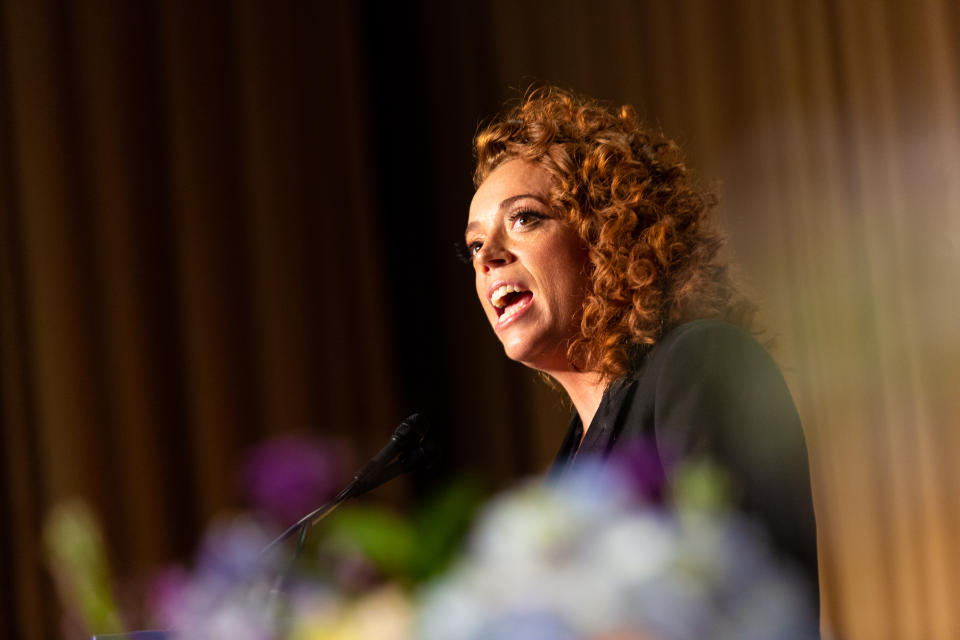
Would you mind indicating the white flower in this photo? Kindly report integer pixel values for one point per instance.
(580, 558)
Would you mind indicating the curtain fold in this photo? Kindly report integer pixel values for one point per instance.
(185, 213)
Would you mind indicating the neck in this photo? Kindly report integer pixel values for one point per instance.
(585, 390)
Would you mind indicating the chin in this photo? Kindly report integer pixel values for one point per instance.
(518, 352)
(535, 357)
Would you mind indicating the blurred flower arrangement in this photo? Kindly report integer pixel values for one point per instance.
(589, 555)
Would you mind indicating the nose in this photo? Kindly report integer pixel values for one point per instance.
(493, 254)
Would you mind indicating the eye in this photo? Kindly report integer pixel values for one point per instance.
(467, 252)
(525, 218)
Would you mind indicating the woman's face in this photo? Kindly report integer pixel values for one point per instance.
(530, 266)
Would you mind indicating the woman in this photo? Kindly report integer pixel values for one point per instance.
(596, 264)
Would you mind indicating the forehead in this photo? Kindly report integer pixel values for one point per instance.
(513, 178)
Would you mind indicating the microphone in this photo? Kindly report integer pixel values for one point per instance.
(408, 449)
(422, 457)
(406, 438)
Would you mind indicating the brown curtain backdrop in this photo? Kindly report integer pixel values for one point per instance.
(220, 222)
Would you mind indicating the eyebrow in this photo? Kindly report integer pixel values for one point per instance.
(506, 203)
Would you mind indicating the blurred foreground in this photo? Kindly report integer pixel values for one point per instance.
(592, 554)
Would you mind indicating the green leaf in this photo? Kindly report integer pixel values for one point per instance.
(77, 557)
(384, 538)
(441, 524)
(702, 485)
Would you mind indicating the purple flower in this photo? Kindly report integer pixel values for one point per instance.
(288, 477)
(641, 464)
(167, 595)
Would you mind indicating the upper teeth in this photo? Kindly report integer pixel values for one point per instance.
(497, 297)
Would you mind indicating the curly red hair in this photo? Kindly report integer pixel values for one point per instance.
(626, 191)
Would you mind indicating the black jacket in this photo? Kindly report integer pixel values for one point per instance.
(707, 387)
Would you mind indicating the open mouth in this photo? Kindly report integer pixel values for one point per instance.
(509, 299)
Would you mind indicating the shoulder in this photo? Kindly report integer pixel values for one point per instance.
(706, 331)
(707, 345)
(711, 384)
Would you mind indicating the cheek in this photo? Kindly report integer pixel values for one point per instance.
(573, 294)
(569, 277)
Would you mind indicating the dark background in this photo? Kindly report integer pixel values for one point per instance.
(225, 221)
